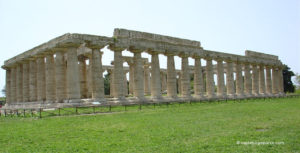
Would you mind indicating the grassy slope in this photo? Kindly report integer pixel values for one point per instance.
(205, 127)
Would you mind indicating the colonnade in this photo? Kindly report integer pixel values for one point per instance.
(57, 72)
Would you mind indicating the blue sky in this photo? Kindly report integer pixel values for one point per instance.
(231, 26)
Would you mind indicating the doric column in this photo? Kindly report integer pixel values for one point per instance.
(60, 77)
(147, 79)
(13, 85)
(118, 80)
(274, 81)
(41, 79)
(247, 80)
(210, 85)
(155, 77)
(239, 80)
(171, 77)
(89, 80)
(97, 76)
(220, 74)
(32, 80)
(83, 77)
(179, 83)
(50, 78)
(198, 78)
(73, 82)
(131, 77)
(229, 79)
(8, 85)
(19, 83)
(268, 80)
(262, 88)
(25, 82)
(111, 87)
(125, 85)
(138, 86)
(255, 90)
(185, 77)
(280, 81)
(163, 78)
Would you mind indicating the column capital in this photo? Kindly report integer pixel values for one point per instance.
(183, 55)
(170, 53)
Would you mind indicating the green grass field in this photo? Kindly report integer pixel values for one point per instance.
(196, 127)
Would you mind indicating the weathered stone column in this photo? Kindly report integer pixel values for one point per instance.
(163, 78)
(210, 85)
(83, 77)
(8, 85)
(171, 77)
(25, 81)
(138, 86)
(280, 81)
(239, 80)
(97, 76)
(111, 87)
(60, 77)
(13, 87)
(118, 80)
(274, 81)
(125, 85)
(185, 77)
(179, 84)
(32, 80)
(147, 79)
(247, 80)
(198, 78)
(220, 74)
(41, 79)
(229, 79)
(268, 81)
(89, 80)
(19, 83)
(262, 88)
(50, 78)
(131, 77)
(155, 77)
(255, 90)
(73, 82)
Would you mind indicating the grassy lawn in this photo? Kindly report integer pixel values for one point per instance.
(197, 127)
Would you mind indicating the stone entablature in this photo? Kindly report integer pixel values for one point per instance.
(37, 78)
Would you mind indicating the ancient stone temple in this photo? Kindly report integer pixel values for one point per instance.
(57, 74)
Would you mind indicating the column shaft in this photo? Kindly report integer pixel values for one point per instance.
(262, 84)
(155, 77)
(118, 80)
(125, 85)
(19, 83)
(268, 81)
(210, 85)
(97, 76)
(26, 82)
(147, 80)
(131, 78)
(274, 81)
(280, 81)
(229, 79)
(8, 86)
(247, 80)
(163, 79)
(32, 80)
(73, 82)
(111, 87)
(198, 78)
(13, 87)
(171, 77)
(185, 77)
(255, 90)
(60, 77)
(41, 79)
(50, 79)
(138, 86)
(239, 80)
(220, 74)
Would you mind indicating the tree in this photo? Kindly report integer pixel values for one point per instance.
(287, 79)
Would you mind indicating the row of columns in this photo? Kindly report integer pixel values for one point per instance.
(67, 77)
(49, 79)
